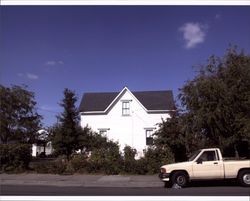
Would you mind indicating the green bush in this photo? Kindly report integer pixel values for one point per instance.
(156, 157)
(141, 167)
(58, 166)
(109, 161)
(79, 163)
(42, 167)
(129, 162)
(106, 160)
(15, 156)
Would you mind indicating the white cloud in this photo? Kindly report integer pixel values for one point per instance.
(50, 63)
(193, 34)
(217, 16)
(32, 76)
(53, 63)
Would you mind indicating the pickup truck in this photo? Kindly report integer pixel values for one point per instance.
(206, 164)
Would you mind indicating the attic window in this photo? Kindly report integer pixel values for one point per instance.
(103, 131)
(125, 108)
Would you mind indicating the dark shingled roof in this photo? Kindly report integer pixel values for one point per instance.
(96, 101)
(151, 100)
(156, 100)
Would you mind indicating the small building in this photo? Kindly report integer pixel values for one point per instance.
(127, 117)
(42, 146)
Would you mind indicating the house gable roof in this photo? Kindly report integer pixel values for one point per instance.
(150, 100)
(156, 100)
(96, 101)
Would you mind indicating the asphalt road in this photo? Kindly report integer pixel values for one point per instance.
(25, 190)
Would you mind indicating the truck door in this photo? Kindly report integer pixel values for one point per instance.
(208, 166)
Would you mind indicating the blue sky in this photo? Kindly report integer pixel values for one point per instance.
(104, 48)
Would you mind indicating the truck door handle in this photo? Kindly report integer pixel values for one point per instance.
(216, 163)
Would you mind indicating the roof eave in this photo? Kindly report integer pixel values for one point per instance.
(92, 112)
(105, 112)
(160, 111)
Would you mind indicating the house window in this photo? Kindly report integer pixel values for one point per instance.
(125, 108)
(149, 136)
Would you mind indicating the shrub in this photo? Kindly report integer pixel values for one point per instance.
(129, 162)
(106, 160)
(141, 166)
(79, 162)
(42, 167)
(156, 157)
(53, 167)
(15, 156)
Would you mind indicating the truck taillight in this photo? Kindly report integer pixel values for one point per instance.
(163, 170)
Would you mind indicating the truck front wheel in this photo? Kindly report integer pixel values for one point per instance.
(179, 178)
(244, 178)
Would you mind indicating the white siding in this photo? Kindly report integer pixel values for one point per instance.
(127, 130)
(36, 149)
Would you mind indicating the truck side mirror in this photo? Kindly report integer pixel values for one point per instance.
(199, 161)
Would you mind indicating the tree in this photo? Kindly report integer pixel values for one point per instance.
(171, 135)
(19, 120)
(89, 140)
(66, 132)
(217, 101)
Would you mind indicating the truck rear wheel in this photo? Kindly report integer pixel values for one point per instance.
(244, 178)
(179, 178)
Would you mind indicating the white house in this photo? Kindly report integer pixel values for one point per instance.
(127, 117)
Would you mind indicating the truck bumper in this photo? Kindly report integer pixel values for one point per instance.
(164, 176)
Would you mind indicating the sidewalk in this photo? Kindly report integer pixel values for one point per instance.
(81, 180)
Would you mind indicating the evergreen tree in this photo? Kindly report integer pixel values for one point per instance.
(66, 132)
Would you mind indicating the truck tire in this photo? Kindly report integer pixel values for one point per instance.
(244, 178)
(180, 178)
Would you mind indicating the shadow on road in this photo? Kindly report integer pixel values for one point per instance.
(213, 183)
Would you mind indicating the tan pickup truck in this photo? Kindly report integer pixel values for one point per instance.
(206, 164)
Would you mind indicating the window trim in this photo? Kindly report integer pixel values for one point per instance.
(103, 131)
(149, 137)
(126, 107)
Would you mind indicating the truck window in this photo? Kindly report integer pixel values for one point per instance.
(208, 156)
(193, 156)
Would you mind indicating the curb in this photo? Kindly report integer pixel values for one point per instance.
(82, 180)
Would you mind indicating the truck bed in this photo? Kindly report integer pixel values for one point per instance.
(231, 167)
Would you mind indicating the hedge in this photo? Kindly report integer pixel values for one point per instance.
(108, 160)
(15, 157)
